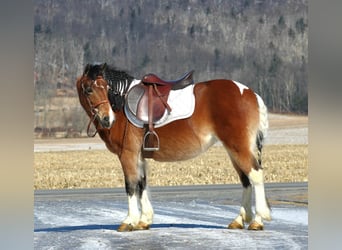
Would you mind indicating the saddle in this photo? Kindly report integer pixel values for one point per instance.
(147, 102)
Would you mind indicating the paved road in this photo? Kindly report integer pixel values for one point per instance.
(275, 136)
(186, 217)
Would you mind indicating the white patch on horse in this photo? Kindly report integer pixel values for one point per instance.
(100, 86)
(207, 141)
(111, 116)
(263, 116)
(240, 86)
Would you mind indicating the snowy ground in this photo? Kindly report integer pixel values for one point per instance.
(185, 218)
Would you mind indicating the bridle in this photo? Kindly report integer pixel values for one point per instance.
(93, 107)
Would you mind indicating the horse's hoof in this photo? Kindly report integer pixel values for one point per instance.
(125, 228)
(235, 225)
(142, 226)
(255, 226)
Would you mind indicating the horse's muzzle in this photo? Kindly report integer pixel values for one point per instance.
(105, 122)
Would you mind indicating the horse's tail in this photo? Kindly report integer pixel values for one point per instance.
(263, 126)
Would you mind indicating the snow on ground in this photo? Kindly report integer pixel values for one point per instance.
(187, 224)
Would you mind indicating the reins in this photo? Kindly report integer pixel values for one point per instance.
(88, 128)
(94, 113)
(93, 116)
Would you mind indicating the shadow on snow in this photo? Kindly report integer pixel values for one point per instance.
(114, 227)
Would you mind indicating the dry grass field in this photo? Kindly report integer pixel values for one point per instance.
(101, 169)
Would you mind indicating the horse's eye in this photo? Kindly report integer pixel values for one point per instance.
(88, 90)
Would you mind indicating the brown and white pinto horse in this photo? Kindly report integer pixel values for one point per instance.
(225, 110)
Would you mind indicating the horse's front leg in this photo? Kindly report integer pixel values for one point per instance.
(135, 183)
(133, 215)
(146, 217)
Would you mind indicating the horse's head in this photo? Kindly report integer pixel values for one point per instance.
(93, 95)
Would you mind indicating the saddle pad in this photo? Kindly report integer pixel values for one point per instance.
(182, 103)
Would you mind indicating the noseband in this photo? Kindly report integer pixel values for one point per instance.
(93, 108)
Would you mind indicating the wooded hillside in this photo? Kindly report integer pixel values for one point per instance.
(261, 43)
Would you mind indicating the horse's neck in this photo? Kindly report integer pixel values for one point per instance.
(124, 135)
(114, 137)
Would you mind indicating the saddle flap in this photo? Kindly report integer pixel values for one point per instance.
(137, 102)
(133, 98)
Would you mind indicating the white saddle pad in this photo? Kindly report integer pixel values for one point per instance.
(182, 103)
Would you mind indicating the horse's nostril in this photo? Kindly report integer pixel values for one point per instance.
(106, 122)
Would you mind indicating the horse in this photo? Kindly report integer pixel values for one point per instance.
(225, 111)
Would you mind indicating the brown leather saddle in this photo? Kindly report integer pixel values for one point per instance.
(147, 102)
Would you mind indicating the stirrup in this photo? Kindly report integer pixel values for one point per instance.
(151, 141)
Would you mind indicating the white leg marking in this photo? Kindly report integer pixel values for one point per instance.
(146, 209)
(246, 208)
(133, 211)
(256, 177)
(239, 219)
(246, 213)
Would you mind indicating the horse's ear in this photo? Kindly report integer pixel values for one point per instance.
(86, 69)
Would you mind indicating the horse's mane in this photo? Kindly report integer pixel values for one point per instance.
(109, 72)
(118, 80)
(114, 75)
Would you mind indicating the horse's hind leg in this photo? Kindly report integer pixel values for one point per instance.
(246, 213)
(250, 173)
(262, 209)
